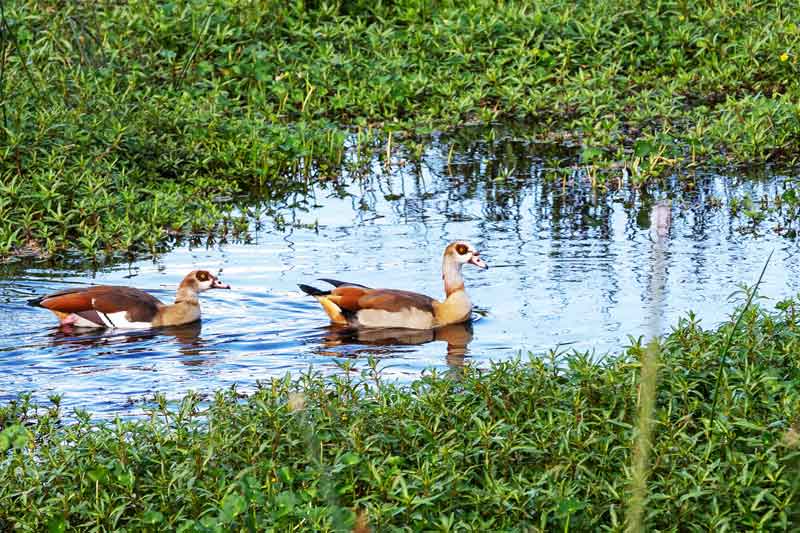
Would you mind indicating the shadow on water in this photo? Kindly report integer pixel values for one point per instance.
(569, 267)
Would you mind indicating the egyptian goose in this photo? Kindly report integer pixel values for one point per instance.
(109, 306)
(359, 306)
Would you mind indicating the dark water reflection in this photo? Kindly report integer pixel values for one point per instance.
(570, 268)
(384, 342)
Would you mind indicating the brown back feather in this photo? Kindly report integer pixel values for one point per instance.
(390, 300)
(141, 306)
(347, 297)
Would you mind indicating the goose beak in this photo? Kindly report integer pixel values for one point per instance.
(217, 284)
(477, 261)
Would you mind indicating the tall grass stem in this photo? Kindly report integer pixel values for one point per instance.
(724, 354)
(640, 461)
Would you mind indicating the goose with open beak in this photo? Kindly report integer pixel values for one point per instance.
(360, 306)
(111, 306)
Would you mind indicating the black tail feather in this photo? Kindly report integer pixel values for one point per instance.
(36, 302)
(337, 283)
(312, 291)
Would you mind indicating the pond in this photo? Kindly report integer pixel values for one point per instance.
(570, 269)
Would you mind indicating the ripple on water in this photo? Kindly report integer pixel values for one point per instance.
(568, 271)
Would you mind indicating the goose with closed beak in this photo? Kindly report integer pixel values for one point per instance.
(360, 306)
(111, 306)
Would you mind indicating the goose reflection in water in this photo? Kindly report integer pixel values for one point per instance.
(371, 341)
(112, 342)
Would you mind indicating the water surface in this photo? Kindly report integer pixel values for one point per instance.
(570, 269)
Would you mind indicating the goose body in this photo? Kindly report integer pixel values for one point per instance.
(356, 305)
(112, 306)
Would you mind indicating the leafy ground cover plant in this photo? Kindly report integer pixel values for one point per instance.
(536, 444)
(124, 124)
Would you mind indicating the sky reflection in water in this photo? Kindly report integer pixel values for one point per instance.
(569, 269)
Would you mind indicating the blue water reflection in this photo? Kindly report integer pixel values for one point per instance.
(569, 268)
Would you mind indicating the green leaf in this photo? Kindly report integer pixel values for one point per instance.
(210, 522)
(343, 518)
(57, 524)
(284, 503)
(350, 459)
(152, 517)
(570, 506)
(125, 479)
(99, 474)
(589, 155)
(186, 527)
(232, 505)
(643, 148)
(252, 490)
(14, 436)
(285, 474)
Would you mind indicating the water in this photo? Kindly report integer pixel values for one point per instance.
(569, 270)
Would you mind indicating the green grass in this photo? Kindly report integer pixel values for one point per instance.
(541, 444)
(125, 124)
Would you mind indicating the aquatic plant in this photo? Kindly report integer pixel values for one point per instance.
(125, 124)
(537, 444)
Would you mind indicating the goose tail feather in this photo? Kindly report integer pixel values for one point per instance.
(337, 283)
(313, 291)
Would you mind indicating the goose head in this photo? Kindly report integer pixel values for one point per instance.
(201, 281)
(456, 255)
(462, 253)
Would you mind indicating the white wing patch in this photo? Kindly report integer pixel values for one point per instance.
(80, 322)
(407, 318)
(120, 320)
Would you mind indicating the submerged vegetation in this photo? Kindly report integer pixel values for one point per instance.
(538, 445)
(125, 124)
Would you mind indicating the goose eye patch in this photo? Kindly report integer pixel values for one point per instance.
(202, 276)
(461, 249)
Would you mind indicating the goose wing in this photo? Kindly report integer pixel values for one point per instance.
(139, 305)
(355, 299)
